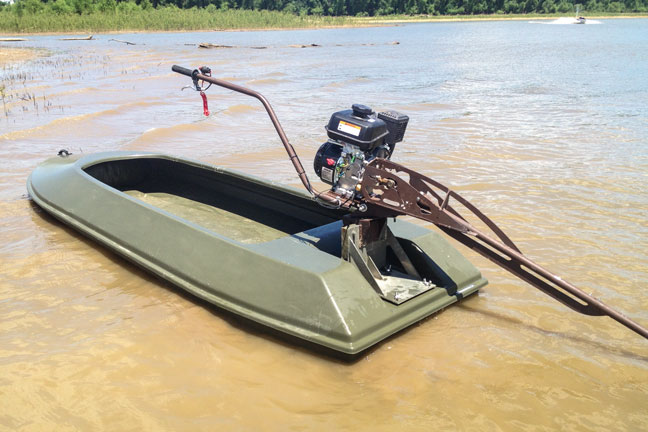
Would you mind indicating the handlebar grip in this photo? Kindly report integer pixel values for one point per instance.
(181, 70)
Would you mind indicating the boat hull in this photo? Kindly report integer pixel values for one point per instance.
(258, 249)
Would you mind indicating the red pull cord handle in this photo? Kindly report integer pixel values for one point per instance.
(205, 107)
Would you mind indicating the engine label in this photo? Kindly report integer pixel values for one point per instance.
(327, 174)
(349, 128)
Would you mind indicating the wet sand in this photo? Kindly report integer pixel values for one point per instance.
(16, 55)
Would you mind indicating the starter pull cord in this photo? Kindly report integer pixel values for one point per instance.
(205, 107)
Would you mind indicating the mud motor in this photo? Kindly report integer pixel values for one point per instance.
(356, 137)
(355, 161)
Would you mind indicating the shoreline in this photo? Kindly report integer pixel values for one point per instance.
(471, 18)
(354, 23)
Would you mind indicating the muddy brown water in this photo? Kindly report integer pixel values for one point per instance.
(543, 127)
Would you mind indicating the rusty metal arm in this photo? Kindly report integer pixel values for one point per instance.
(384, 186)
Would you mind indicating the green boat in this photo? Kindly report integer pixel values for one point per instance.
(334, 269)
(261, 250)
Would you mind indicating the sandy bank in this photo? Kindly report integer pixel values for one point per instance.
(17, 55)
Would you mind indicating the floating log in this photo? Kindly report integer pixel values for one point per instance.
(371, 44)
(211, 45)
(305, 46)
(12, 40)
(122, 41)
(77, 38)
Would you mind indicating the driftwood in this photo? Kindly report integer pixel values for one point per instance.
(77, 38)
(211, 45)
(371, 44)
(122, 41)
(12, 40)
(304, 46)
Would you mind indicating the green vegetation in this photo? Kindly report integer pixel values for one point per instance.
(106, 15)
(130, 16)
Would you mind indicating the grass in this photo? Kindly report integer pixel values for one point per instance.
(15, 96)
(174, 19)
(162, 19)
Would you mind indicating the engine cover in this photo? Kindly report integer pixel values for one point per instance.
(357, 127)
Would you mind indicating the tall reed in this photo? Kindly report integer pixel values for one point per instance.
(161, 19)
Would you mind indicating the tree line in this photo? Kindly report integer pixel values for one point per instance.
(337, 7)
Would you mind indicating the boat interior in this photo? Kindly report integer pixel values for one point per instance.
(252, 212)
(235, 207)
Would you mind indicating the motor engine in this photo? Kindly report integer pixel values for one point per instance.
(356, 137)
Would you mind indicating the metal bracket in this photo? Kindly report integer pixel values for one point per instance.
(365, 244)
